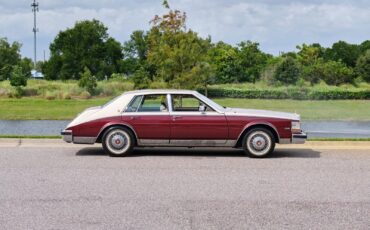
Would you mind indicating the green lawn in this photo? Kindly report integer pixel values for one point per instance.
(41, 109)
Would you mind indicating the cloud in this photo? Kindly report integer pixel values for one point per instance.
(279, 25)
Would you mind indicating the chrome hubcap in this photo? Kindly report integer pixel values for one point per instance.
(258, 143)
(118, 141)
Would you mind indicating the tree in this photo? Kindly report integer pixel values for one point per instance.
(175, 52)
(363, 66)
(9, 57)
(336, 73)
(18, 79)
(343, 52)
(288, 71)
(87, 81)
(225, 61)
(252, 60)
(86, 44)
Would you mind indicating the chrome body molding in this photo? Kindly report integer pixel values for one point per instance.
(187, 143)
(284, 141)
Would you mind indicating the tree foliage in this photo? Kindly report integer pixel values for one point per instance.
(86, 44)
(288, 71)
(363, 66)
(9, 57)
(87, 81)
(177, 54)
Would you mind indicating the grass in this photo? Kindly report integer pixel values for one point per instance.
(41, 109)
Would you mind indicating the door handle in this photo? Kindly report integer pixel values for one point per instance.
(174, 118)
(134, 118)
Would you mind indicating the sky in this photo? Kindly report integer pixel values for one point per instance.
(278, 25)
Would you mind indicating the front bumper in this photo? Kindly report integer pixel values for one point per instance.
(299, 138)
(67, 136)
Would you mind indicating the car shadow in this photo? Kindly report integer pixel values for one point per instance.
(202, 152)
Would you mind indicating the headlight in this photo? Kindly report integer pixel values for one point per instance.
(296, 127)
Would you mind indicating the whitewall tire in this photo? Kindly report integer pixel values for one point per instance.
(118, 141)
(258, 142)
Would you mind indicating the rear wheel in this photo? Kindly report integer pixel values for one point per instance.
(258, 142)
(118, 141)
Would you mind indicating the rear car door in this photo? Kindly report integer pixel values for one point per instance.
(149, 117)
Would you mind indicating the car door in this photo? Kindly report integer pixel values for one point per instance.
(150, 118)
(189, 126)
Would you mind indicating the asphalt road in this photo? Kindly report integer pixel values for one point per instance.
(45, 186)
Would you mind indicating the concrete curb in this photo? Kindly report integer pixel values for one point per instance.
(20, 142)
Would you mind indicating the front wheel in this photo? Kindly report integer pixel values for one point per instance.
(118, 142)
(258, 142)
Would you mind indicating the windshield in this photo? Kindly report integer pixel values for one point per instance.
(211, 103)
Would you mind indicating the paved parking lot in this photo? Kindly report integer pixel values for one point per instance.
(45, 186)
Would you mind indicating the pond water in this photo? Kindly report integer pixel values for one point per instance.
(315, 129)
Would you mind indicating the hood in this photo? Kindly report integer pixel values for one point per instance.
(83, 117)
(261, 113)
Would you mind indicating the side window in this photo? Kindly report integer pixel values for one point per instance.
(154, 103)
(134, 105)
(187, 103)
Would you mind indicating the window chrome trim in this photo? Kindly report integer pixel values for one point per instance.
(196, 96)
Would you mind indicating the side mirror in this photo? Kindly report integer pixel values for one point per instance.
(202, 108)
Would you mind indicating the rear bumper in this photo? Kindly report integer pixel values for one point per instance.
(69, 138)
(297, 138)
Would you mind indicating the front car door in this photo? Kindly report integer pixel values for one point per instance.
(192, 127)
(150, 118)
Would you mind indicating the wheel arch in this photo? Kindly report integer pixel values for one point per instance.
(249, 127)
(111, 125)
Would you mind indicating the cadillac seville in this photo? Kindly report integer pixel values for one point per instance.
(181, 118)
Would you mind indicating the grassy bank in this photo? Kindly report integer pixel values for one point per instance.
(41, 109)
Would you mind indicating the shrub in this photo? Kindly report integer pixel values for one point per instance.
(290, 93)
(336, 73)
(87, 81)
(85, 95)
(29, 92)
(363, 66)
(17, 80)
(288, 71)
(50, 95)
(67, 96)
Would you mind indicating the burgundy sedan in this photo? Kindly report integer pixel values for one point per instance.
(181, 118)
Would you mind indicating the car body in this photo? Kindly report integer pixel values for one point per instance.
(181, 118)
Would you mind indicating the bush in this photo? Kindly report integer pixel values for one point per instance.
(87, 81)
(363, 66)
(290, 93)
(50, 95)
(67, 96)
(287, 72)
(85, 95)
(336, 73)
